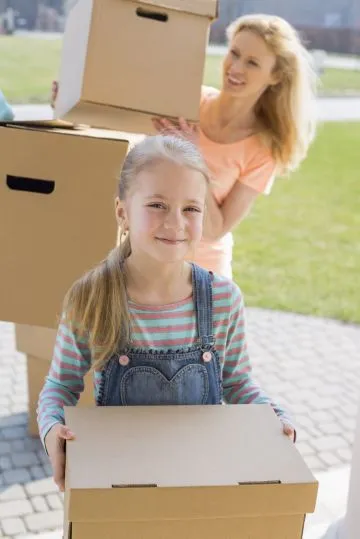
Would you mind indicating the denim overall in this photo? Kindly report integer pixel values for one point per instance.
(138, 377)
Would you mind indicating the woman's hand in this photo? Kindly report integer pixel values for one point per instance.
(54, 93)
(181, 128)
(55, 446)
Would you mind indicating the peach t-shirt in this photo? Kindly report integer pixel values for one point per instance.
(248, 161)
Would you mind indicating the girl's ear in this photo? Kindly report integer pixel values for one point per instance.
(120, 214)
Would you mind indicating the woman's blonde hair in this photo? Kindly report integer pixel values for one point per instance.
(287, 109)
(96, 306)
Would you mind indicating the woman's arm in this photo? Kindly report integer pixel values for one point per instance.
(219, 220)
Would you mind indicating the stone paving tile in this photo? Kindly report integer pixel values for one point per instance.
(308, 365)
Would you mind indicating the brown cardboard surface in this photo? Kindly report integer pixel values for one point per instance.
(36, 341)
(37, 370)
(48, 240)
(116, 70)
(163, 466)
(284, 527)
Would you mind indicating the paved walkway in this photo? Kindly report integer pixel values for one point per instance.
(310, 365)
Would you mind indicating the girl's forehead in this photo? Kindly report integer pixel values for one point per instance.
(170, 181)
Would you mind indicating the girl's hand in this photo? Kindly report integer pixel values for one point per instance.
(55, 446)
(289, 431)
(182, 128)
(54, 93)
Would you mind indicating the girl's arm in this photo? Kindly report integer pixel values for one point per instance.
(65, 381)
(238, 383)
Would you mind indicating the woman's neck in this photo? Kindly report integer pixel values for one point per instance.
(234, 111)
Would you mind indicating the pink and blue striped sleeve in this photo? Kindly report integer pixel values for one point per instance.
(238, 383)
(65, 381)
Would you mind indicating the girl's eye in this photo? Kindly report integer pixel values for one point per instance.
(253, 63)
(193, 209)
(234, 53)
(157, 205)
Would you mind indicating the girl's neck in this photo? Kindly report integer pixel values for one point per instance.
(152, 283)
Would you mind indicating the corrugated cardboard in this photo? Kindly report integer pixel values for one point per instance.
(184, 471)
(62, 224)
(124, 62)
(35, 341)
(38, 345)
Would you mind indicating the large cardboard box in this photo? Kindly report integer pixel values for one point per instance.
(351, 528)
(125, 61)
(184, 471)
(38, 345)
(56, 214)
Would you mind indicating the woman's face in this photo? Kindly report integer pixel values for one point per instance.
(248, 67)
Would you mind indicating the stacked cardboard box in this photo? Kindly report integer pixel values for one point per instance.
(184, 471)
(123, 62)
(56, 222)
(126, 61)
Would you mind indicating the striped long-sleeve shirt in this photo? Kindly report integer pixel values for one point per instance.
(166, 327)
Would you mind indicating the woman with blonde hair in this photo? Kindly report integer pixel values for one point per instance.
(259, 125)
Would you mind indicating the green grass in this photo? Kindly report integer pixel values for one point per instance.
(299, 250)
(28, 66)
(333, 81)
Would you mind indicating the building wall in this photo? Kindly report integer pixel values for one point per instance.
(332, 25)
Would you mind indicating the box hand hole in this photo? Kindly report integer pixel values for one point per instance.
(153, 15)
(31, 185)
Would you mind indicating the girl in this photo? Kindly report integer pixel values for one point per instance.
(6, 112)
(260, 124)
(154, 328)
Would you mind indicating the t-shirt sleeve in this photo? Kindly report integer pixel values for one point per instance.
(259, 174)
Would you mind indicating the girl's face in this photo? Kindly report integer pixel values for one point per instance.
(164, 212)
(248, 66)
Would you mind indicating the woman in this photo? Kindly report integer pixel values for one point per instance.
(258, 125)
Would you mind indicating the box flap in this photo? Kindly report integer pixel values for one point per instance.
(57, 127)
(205, 8)
(151, 449)
(42, 123)
(36, 341)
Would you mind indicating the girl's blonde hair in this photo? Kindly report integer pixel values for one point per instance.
(96, 306)
(287, 109)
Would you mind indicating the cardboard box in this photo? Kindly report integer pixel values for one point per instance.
(184, 471)
(56, 214)
(125, 61)
(38, 345)
(352, 518)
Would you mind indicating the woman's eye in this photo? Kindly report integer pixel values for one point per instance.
(193, 209)
(253, 63)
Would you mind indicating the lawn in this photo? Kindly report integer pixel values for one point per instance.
(28, 65)
(27, 68)
(299, 250)
(333, 81)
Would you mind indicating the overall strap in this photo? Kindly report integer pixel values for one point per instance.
(203, 299)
